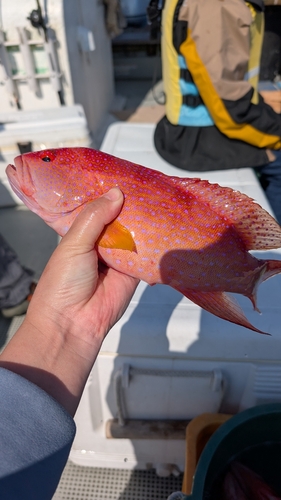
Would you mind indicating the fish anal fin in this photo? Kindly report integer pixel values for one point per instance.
(222, 305)
(117, 236)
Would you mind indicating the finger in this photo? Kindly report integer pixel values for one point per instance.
(89, 224)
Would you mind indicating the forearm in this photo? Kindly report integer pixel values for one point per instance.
(56, 361)
(36, 435)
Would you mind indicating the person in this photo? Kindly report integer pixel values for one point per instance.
(17, 283)
(215, 117)
(44, 367)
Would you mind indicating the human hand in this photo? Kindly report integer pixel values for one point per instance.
(76, 302)
(75, 292)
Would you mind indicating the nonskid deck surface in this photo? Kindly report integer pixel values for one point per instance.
(88, 483)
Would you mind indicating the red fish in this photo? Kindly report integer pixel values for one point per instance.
(186, 233)
(241, 483)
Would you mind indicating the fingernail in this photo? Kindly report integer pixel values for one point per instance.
(113, 194)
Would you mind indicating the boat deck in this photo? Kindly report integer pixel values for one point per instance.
(34, 242)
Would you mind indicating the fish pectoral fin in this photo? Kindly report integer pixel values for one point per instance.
(222, 305)
(117, 236)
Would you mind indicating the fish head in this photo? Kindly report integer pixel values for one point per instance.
(54, 184)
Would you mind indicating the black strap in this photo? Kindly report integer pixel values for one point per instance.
(192, 100)
(153, 14)
(186, 75)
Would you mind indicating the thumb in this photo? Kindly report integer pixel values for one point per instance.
(89, 224)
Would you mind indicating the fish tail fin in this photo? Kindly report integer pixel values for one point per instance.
(269, 269)
(272, 267)
(222, 305)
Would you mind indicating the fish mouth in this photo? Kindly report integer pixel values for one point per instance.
(20, 178)
(14, 172)
(16, 175)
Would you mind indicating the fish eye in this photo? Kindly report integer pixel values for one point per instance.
(47, 156)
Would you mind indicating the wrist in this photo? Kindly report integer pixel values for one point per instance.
(42, 353)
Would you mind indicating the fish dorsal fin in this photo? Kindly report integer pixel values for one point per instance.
(257, 229)
(117, 236)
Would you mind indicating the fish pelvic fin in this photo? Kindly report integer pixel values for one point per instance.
(117, 236)
(256, 227)
(222, 305)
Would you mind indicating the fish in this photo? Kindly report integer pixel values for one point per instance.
(241, 483)
(183, 232)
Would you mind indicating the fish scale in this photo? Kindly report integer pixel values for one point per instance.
(186, 233)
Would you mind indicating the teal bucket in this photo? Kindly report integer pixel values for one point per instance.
(253, 437)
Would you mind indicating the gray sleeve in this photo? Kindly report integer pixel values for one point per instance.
(36, 434)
